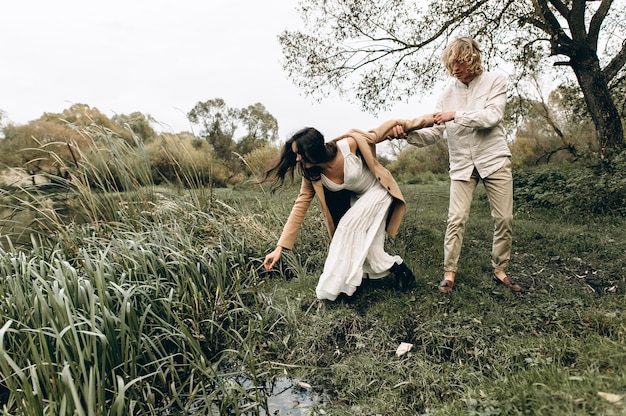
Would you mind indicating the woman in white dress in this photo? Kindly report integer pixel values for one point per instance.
(359, 199)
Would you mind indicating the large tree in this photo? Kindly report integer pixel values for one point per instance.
(384, 52)
(261, 128)
(219, 124)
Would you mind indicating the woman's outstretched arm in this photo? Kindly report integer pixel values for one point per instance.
(386, 130)
(294, 221)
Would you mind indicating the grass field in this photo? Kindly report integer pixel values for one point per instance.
(558, 348)
(156, 303)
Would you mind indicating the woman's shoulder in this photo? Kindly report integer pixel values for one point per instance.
(351, 143)
(346, 143)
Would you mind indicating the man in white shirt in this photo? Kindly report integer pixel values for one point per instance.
(470, 112)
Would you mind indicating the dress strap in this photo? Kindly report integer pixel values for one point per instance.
(343, 146)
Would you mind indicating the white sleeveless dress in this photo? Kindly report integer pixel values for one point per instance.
(357, 246)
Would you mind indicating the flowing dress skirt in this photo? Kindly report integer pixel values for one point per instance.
(357, 246)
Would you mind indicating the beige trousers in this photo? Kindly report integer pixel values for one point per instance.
(499, 189)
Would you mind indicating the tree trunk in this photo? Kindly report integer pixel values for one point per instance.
(600, 105)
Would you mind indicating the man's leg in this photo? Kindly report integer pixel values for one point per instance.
(499, 188)
(461, 193)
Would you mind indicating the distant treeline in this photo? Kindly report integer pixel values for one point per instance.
(229, 146)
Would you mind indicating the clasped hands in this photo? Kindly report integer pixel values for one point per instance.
(397, 131)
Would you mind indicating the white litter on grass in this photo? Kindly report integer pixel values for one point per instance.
(613, 398)
(304, 385)
(403, 348)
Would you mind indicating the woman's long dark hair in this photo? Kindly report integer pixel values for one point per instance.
(311, 146)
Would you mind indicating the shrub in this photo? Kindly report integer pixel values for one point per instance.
(185, 160)
(414, 161)
(259, 160)
(596, 187)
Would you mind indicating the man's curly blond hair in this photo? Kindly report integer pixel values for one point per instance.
(463, 49)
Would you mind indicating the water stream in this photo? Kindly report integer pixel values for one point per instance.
(292, 397)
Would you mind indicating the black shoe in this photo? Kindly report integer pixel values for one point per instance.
(405, 279)
(344, 298)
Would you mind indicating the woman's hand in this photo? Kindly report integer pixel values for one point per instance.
(397, 132)
(272, 258)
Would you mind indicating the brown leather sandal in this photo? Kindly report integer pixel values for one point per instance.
(446, 285)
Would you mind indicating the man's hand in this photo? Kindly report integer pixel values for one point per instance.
(444, 116)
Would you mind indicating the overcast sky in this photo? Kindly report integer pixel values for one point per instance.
(160, 58)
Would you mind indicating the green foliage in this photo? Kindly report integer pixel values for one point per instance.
(259, 160)
(383, 52)
(219, 123)
(524, 152)
(141, 302)
(182, 159)
(137, 123)
(595, 187)
(46, 145)
(54, 143)
(133, 322)
(413, 162)
(112, 164)
(551, 132)
(260, 126)
(30, 146)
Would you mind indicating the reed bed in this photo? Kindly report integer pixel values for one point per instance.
(137, 301)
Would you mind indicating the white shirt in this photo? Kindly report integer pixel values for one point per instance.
(476, 136)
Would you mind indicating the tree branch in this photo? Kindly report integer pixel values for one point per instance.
(539, 24)
(617, 63)
(376, 53)
(576, 20)
(561, 7)
(560, 43)
(596, 21)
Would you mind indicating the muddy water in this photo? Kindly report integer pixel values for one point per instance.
(288, 397)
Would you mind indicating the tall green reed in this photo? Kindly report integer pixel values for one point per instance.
(144, 300)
